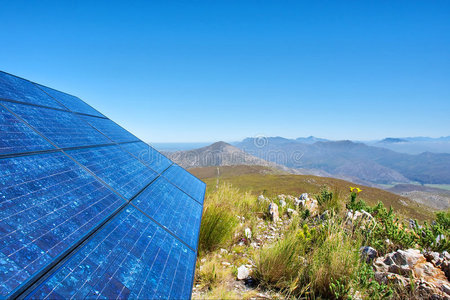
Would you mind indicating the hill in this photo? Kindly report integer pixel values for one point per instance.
(260, 179)
(357, 160)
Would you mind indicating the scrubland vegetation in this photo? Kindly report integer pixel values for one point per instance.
(314, 254)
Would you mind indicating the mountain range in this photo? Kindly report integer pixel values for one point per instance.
(354, 159)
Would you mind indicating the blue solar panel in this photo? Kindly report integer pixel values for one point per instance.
(66, 228)
(186, 181)
(16, 137)
(148, 155)
(65, 129)
(18, 89)
(131, 257)
(111, 129)
(47, 203)
(120, 170)
(71, 102)
(173, 209)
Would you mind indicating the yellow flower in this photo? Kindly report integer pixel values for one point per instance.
(355, 190)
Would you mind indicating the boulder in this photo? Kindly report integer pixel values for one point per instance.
(243, 272)
(273, 212)
(368, 253)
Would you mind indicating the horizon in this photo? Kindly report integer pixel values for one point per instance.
(209, 71)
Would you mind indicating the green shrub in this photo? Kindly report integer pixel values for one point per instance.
(278, 265)
(333, 263)
(218, 225)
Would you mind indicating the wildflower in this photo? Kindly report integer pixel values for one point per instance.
(355, 190)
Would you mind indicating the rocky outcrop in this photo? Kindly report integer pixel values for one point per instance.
(402, 266)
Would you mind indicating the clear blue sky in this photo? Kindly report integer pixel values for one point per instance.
(192, 71)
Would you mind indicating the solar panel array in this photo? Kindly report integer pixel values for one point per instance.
(87, 210)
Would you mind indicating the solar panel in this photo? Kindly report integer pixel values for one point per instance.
(47, 203)
(148, 155)
(173, 209)
(86, 208)
(131, 257)
(18, 89)
(111, 129)
(123, 172)
(186, 182)
(65, 129)
(73, 103)
(16, 137)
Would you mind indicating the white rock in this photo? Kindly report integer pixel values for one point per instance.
(243, 272)
(225, 263)
(291, 212)
(304, 196)
(261, 198)
(282, 203)
(248, 233)
(224, 251)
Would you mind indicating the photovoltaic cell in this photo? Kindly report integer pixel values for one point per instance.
(65, 129)
(71, 102)
(47, 203)
(18, 89)
(111, 129)
(186, 181)
(123, 172)
(173, 209)
(131, 257)
(148, 155)
(17, 137)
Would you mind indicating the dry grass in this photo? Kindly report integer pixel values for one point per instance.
(257, 179)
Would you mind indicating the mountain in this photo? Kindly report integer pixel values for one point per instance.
(358, 160)
(392, 140)
(310, 140)
(414, 145)
(224, 154)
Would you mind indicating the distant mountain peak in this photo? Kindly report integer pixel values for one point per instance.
(390, 140)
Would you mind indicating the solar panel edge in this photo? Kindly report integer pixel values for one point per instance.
(38, 85)
(33, 84)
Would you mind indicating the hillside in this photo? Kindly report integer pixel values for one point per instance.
(357, 160)
(259, 179)
(433, 197)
